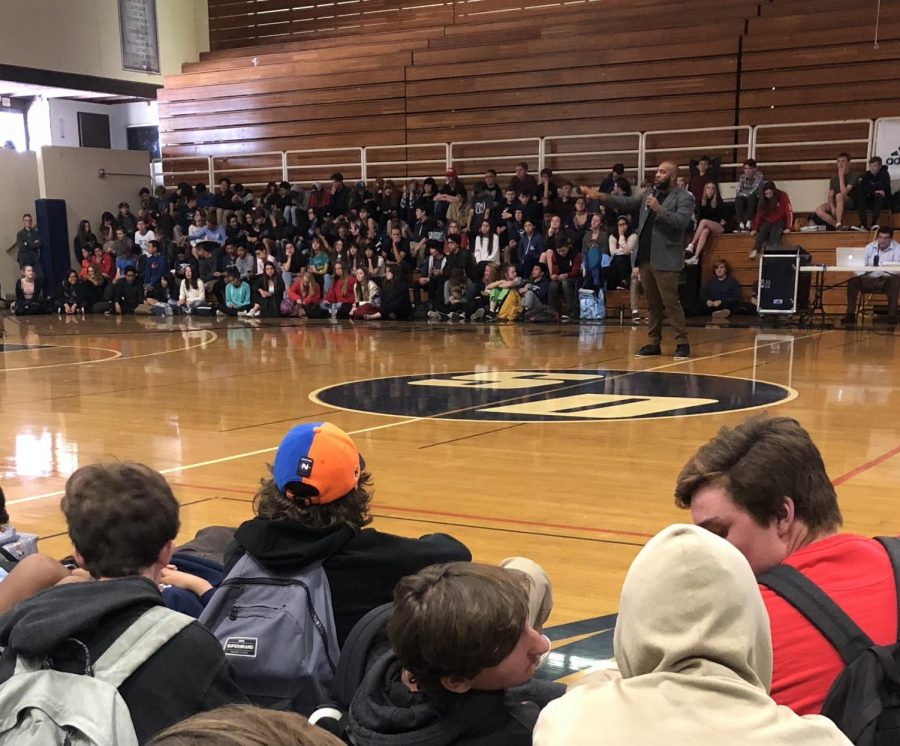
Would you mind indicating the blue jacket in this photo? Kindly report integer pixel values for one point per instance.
(155, 267)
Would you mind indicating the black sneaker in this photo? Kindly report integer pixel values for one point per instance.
(682, 352)
(649, 351)
(848, 319)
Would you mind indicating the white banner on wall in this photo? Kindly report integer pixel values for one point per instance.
(887, 145)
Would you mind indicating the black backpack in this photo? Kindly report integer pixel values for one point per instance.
(864, 700)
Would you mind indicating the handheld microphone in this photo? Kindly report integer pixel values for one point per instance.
(875, 260)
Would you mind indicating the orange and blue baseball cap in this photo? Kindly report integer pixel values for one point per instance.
(319, 455)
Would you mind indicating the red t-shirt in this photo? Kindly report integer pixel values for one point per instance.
(856, 573)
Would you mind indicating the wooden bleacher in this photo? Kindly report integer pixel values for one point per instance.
(378, 72)
(495, 70)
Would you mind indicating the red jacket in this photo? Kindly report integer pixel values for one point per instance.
(335, 296)
(314, 297)
(782, 211)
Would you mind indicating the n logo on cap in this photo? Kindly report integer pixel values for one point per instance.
(304, 468)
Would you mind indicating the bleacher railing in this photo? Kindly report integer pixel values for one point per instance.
(852, 135)
(582, 157)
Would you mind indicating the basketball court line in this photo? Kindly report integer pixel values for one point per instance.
(117, 355)
(862, 468)
(411, 420)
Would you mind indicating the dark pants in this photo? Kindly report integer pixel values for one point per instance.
(270, 307)
(873, 202)
(569, 289)
(435, 292)
(618, 272)
(661, 289)
(888, 284)
(769, 233)
(31, 308)
(745, 208)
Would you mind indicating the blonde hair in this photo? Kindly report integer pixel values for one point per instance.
(242, 725)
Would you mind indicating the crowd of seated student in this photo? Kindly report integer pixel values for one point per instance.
(463, 640)
(198, 241)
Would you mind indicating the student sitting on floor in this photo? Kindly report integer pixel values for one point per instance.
(721, 295)
(122, 519)
(320, 516)
(466, 644)
(693, 647)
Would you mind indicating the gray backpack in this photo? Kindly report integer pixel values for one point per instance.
(43, 707)
(278, 634)
(14, 546)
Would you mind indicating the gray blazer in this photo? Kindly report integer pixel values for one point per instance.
(672, 221)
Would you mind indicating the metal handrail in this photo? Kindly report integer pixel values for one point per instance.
(870, 144)
(158, 166)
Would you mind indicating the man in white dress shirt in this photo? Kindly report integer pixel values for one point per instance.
(883, 250)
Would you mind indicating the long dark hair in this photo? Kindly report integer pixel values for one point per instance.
(84, 234)
(768, 205)
(399, 280)
(193, 281)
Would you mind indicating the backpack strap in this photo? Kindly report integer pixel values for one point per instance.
(891, 545)
(153, 629)
(842, 633)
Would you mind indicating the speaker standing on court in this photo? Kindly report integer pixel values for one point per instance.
(665, 214)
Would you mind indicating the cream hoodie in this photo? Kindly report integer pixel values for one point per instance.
(692, 643)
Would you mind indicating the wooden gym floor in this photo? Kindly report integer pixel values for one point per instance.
(574, 468)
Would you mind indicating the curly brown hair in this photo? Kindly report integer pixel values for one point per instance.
(350, 510)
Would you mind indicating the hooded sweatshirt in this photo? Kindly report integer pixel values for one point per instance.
(362, 567)
(187, 675)
(693, 646)
(385, 712)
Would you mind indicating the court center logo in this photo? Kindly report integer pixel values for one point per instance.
(552, 395)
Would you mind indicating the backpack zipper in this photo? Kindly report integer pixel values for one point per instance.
(311, 610)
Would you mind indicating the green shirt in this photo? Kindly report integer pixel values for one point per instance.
(850, 179)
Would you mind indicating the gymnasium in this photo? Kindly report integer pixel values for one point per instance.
(272, 148)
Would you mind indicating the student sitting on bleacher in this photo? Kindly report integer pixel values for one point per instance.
(746, 198)
(693, 648)
(712, 219)
(466, 642)
(840, 197)
(774, 216)
(874, 193)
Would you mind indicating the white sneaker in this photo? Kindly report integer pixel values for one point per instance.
(692, 261)
(255, 312)
(753, 254)
(243, 313)
(689, 249)
(219, 313)
(435, 316)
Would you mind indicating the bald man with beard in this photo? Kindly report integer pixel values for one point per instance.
(665, 215)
